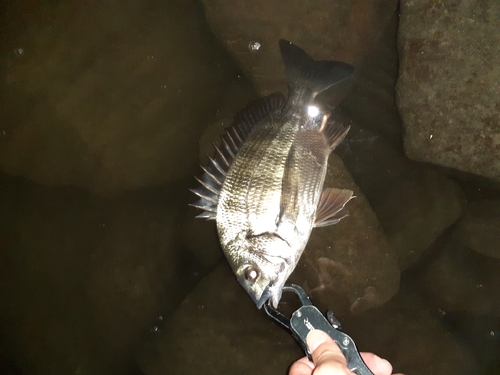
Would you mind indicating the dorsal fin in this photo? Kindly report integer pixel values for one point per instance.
(331, 206)
(231, 141)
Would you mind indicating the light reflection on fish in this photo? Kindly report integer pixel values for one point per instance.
(264, 188)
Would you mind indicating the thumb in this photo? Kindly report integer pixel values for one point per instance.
(326, 355)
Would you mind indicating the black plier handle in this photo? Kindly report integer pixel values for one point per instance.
(307, 318)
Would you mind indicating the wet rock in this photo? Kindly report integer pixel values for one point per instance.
(449, 84)
(349, 265)
(105, 96)
(479, 228)
(218, 330)
(330, 31)
(413, 202)
(462, 280)
(84, 277)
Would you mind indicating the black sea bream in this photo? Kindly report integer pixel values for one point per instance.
(264, 188)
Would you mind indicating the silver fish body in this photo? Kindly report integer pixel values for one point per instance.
(265, 188)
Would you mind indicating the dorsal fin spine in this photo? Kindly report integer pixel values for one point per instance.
(231, 141)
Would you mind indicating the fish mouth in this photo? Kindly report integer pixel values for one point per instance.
(266, 294)
(271, 293)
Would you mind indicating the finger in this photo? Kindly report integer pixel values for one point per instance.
(326, 355)
(301, 367)
(377, 365)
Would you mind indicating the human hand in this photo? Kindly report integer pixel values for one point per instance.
(329, 360)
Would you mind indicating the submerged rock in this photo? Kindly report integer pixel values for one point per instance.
(412, 337)
(201, 238)
(327, 31)
(479, 228)
(371, 100)
(349, 265)
(449, 84)
(413, 202)
(105, 96)
(462, 280)
(218, 330)
(84, 277)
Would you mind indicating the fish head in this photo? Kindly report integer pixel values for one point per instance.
(262, 267)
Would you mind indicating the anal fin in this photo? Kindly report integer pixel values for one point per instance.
(331, 206)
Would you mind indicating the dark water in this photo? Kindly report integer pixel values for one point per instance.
(102, 108)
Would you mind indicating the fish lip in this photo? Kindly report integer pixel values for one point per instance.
(266, 295)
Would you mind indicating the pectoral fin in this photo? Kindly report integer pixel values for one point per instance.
(331, 206)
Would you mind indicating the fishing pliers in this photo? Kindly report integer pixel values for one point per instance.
(307, 318)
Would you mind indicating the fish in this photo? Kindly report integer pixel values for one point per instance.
(264, 186)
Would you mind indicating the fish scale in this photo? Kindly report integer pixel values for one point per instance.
(260, 164)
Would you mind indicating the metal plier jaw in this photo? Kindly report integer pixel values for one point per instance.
(307, 318)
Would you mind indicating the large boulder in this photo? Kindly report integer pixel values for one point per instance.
(414, 202)
(105, 96)
(449, 84)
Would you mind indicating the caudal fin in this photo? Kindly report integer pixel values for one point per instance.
(302, 69)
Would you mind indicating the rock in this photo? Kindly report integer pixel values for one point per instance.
(349, 265)
(201, 238)
(412, 337)
(462, 280)
(414, 203)
(482, 335)
(448, 85)
(84, 277)
(479, 227)
(371, 100)
(108, 97)
(238, 96)
(339, 31)
(218, 330)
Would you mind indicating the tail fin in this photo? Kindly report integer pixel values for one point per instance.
(302, 69)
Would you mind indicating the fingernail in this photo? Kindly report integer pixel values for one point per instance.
(315, 338)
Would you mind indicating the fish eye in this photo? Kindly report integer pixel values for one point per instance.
(251, 274)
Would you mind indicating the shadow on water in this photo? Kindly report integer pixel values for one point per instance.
(103, 109)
